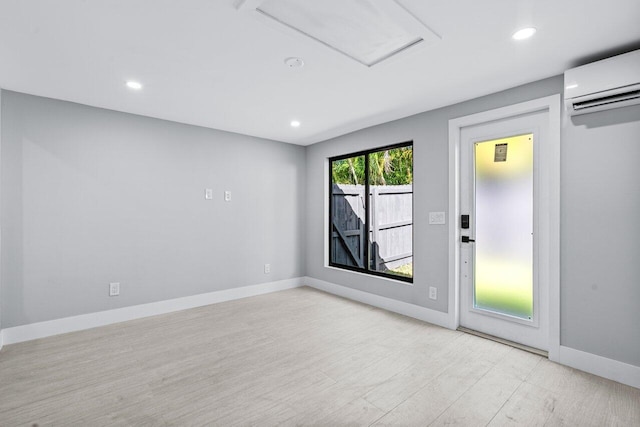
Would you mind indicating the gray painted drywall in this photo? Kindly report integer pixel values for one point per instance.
(92, 196)
(0, 216)
(600, 204)
(600, 234)
(430, 134)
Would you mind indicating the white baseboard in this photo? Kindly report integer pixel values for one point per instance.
(91, 320)
(411, 310)
(601, 366)
(607, 368)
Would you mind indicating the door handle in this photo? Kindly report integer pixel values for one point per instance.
(466, 239)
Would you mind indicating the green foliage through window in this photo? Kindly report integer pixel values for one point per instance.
(387, 167)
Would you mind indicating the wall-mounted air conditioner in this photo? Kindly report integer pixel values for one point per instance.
(602, 85)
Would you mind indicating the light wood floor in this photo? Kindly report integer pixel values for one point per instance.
(298, 357)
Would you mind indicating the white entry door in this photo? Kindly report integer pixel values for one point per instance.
(500, 252)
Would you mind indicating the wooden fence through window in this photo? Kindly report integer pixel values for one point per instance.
(390, 231)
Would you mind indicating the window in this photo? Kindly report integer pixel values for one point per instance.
(373, 233)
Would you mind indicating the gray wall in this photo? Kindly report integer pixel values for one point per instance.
(600, 237)
(0, 215)
(92, 196)
(600, 232)
(430, 134)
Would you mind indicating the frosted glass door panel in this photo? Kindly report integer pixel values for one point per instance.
(503, 276)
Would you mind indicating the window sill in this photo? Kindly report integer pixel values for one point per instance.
(373, 276)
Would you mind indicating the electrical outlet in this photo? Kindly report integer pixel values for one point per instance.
(227, 196)
(114, 289)
(267, 268)
(208, 193)
(433, 292)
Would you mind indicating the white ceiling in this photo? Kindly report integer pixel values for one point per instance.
(206, 63)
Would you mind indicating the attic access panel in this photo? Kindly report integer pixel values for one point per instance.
(367, 31)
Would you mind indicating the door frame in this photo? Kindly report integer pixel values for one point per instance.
(548, 206)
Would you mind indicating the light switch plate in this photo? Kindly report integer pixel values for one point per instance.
(436, 218)
(114, 289)
(208, 193)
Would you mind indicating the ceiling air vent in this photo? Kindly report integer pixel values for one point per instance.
(367, 31)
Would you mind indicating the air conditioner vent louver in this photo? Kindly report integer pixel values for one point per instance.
(603, 85)
(612, 99)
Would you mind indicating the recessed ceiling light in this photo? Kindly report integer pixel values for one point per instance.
(573, 86)
(134, 85)
(295, 123)
(524, 33)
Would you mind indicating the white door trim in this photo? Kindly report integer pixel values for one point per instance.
(549, 206)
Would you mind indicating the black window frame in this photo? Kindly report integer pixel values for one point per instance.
(366, 269)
